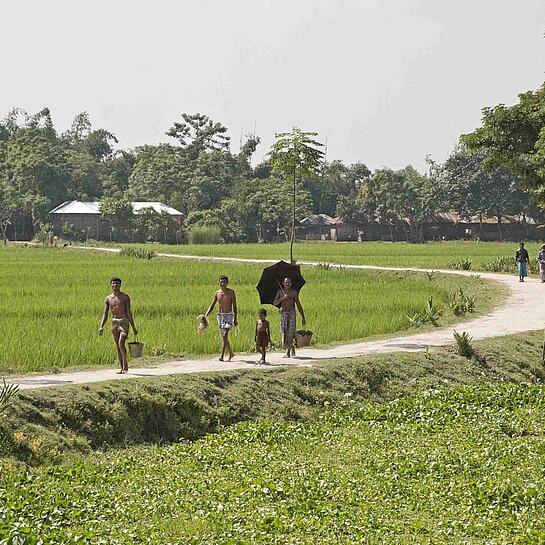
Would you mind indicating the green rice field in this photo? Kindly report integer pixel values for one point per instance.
(433, 255)
(51, 301)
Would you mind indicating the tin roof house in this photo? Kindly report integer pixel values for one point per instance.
(85, 217)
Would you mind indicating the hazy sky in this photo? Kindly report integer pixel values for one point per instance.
(385, 82)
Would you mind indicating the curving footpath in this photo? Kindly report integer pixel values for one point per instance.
(522, 310)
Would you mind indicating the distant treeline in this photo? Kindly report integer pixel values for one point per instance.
(214, 188)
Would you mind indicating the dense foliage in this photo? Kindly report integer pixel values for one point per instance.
(461, 466)
(216, 188)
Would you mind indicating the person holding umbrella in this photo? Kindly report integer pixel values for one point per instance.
(288, 299)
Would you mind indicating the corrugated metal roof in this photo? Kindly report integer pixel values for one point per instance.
(93, 207)
(320, 219)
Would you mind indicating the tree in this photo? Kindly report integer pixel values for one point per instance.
(117, 172)
(198, 133)
(475, 191)
(33, 170)
(7, 209)
(119, 212)
(296, 154)
(264, 207)
(421, 198)
(160, 173)
(513, 137)
(153, 226)
(85, 176)
(381, 198)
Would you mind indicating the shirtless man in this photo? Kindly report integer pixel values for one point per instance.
(227, 314)
(288, 299)
(120, 305)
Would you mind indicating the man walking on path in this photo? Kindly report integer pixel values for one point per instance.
(541, 260)
(120, 305)
(522, 259)
(288, 299)
(227, 315)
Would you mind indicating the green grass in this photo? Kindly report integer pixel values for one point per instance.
(433, 255)
(49, 425)
(52, 301)
(447, 466)
(449, 450)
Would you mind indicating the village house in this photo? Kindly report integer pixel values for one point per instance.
(440, 226)
(85, 217)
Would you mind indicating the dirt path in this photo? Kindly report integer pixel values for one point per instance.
(522, 310)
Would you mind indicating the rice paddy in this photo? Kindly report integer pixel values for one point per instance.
(433, 255)
(51, 301)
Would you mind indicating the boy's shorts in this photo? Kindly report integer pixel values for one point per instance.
(263, 339)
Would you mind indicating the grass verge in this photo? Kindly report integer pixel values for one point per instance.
(458, 460)
(48, 425)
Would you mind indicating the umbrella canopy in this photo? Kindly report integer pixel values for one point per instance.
(272, 277)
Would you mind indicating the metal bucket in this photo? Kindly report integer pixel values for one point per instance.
(136, 349)
(303, 337)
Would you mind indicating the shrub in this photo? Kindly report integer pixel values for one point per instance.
(460, 304)
(138, 253)
(463, 344)
(430, 315)
(505, 264)
(40, 236)
(462, 265)
(7, 392)
(205, 235)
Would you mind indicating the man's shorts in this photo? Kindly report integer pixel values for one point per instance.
(122, 325)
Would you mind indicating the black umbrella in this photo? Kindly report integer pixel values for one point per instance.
(272, 278)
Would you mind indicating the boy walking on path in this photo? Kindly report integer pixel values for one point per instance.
(227, 315)
(522, 259)
(120, 305)
(288, 299)
(262, 334)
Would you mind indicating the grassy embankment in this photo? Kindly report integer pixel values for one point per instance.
(459, 460)
(434, 255)
(52, 300)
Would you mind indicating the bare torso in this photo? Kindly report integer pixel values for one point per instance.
(287, 299)
(225, 299)
(117, 303)
(262, 325)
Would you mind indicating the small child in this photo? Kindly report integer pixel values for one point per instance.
(262, 334)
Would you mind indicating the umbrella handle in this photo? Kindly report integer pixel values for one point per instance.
(281, 287)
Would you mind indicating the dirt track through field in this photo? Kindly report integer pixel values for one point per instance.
(522, 310)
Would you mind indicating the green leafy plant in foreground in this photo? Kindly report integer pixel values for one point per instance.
(447, 466)
(430, 275)
(430, 315)
(463, 344)
(506, 264)
(7, 392)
